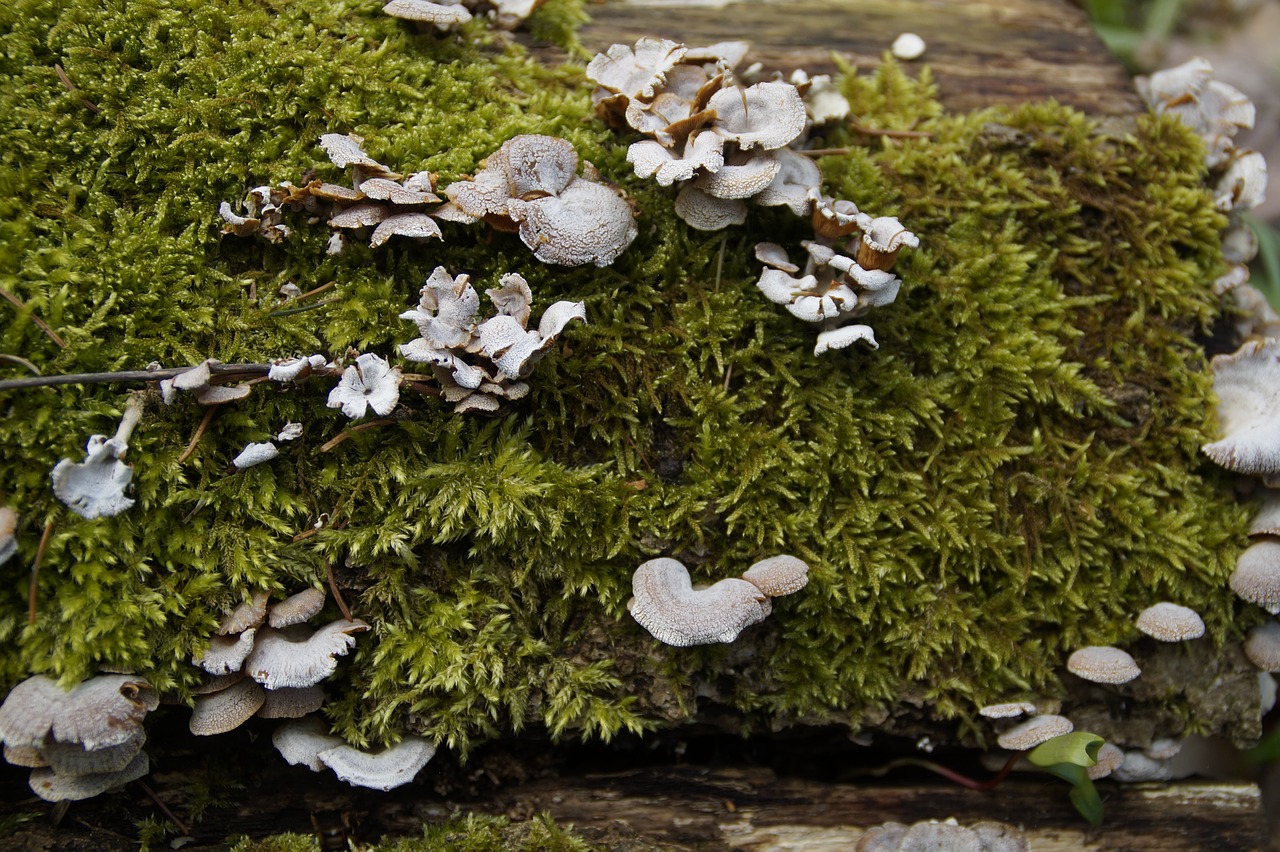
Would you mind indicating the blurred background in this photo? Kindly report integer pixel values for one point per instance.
(1242, 40)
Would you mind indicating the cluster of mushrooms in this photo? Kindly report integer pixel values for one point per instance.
(529, 186)
(727, 144)
(447, 14)
(667, 604)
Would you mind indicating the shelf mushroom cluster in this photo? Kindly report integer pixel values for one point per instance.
(666, 603)
(1217, 111)
(304, 741)
(447, 14)
(480, 365)
(530, 186)
(265, 661)
(79, 742)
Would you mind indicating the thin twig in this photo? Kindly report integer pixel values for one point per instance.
(333, 588)
(342, 436)
(131, 375)
(21, 362)
(195, 439)
(71, 87)
(317, 291)
(44, 326)
(151, 794)
(35, 572)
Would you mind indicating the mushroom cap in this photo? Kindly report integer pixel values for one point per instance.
(885, 233)
(101, 712)
(255, 453)
(446, 310)
(586, 223)
(844, 336)
(1103, 664)
(53, 787)
(393, 767)
(701, 152)
(778, 575)
(443, 13)
(296, 609)
(907, 46)
(360, 215)
(247, 614)
(537, 165)
(1248, 387)
(75, 759)
(797, 177)
(1110, 756)
(1137, 766)
(278, 660)
(767, 114)
(291, 702)
(418, 226)
(1008, 710)
(706, 212)
(385, 189)
(95, 487)
(370, 383)
(635, 72)
(226, 654)
(1267, 521)
(666, 605)
(1257, 575)
(1034, 731)
(512, 297)
(1170, 622)
(222, 394)
(1262, 646)
(301, 741)
(8, 525)
(1243, 185)
(740, 179)
(28, 756)
(344, 150)
(227, 709)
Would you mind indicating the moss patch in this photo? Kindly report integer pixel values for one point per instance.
(1013, 474)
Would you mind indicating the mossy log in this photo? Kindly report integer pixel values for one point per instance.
(1013, 474)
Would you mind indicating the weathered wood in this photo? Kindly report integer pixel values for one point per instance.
(981, 53)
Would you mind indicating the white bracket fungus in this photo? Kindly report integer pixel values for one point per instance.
(1247, 384)
(1034, 731)
(949, 835)
(447, 14)
(295, 370)
(481, 364)
(304, 743)
(226, 709)
(1266, 522)
(666, 604)
(292, 658)
(255, 453)
(8, 530)
(296, 609)
(531, 185)
(1169, 622)
(95, 487)
(1103, 664)
(1262, 646)
(1256, 578)
(1008, 710)
(369, 383)
(56, 787)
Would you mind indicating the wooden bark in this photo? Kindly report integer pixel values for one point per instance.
(982, 52)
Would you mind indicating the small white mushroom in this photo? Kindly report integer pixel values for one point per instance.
(882, 238)
(666, 605)
(344, 151)
(741, 176)
(291, 702)
(285, 659)
(1169, 622)
(702, 152)
(798, 176)
(588, 222)
(1008, 710)
(392, 767)
(418, 226)
(908, 46)
(360, 215)
(1103, 664)
(1262, 646)
(1256, 578)
(101, 712)
(706, 212)
(1110, 757)
(1267, 521)
(294, 369)
(1034, 731)
(444, 14)
(255, 453)
(95, 487)
(634, 72)
(1243, 185)
(767, 114)
(301, 741)
(223, 394)
(226, 654)
(778, 575)
(227, 709)
(296, 609)
(1247, 384)
(370, 383)
(1136, 767)
(53, 787)
(247, 614)
(844, 336)
(8, 528)
(290, 432)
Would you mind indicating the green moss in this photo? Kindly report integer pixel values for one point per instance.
(472, 833)
(1013, 474)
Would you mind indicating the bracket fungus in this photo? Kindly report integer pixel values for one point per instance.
(304, 742)
(1008, 710)
(447, 14)
(95, 487)
(1170, 622)
(1262, 646)
(369, 383)
(482, 364)
(1103, 664)
(80, 742)
(930, 835)
(666, 604)
(8, 530)
(530, 185)
(1248, 387)
(1256, 578)
(1034, 731)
